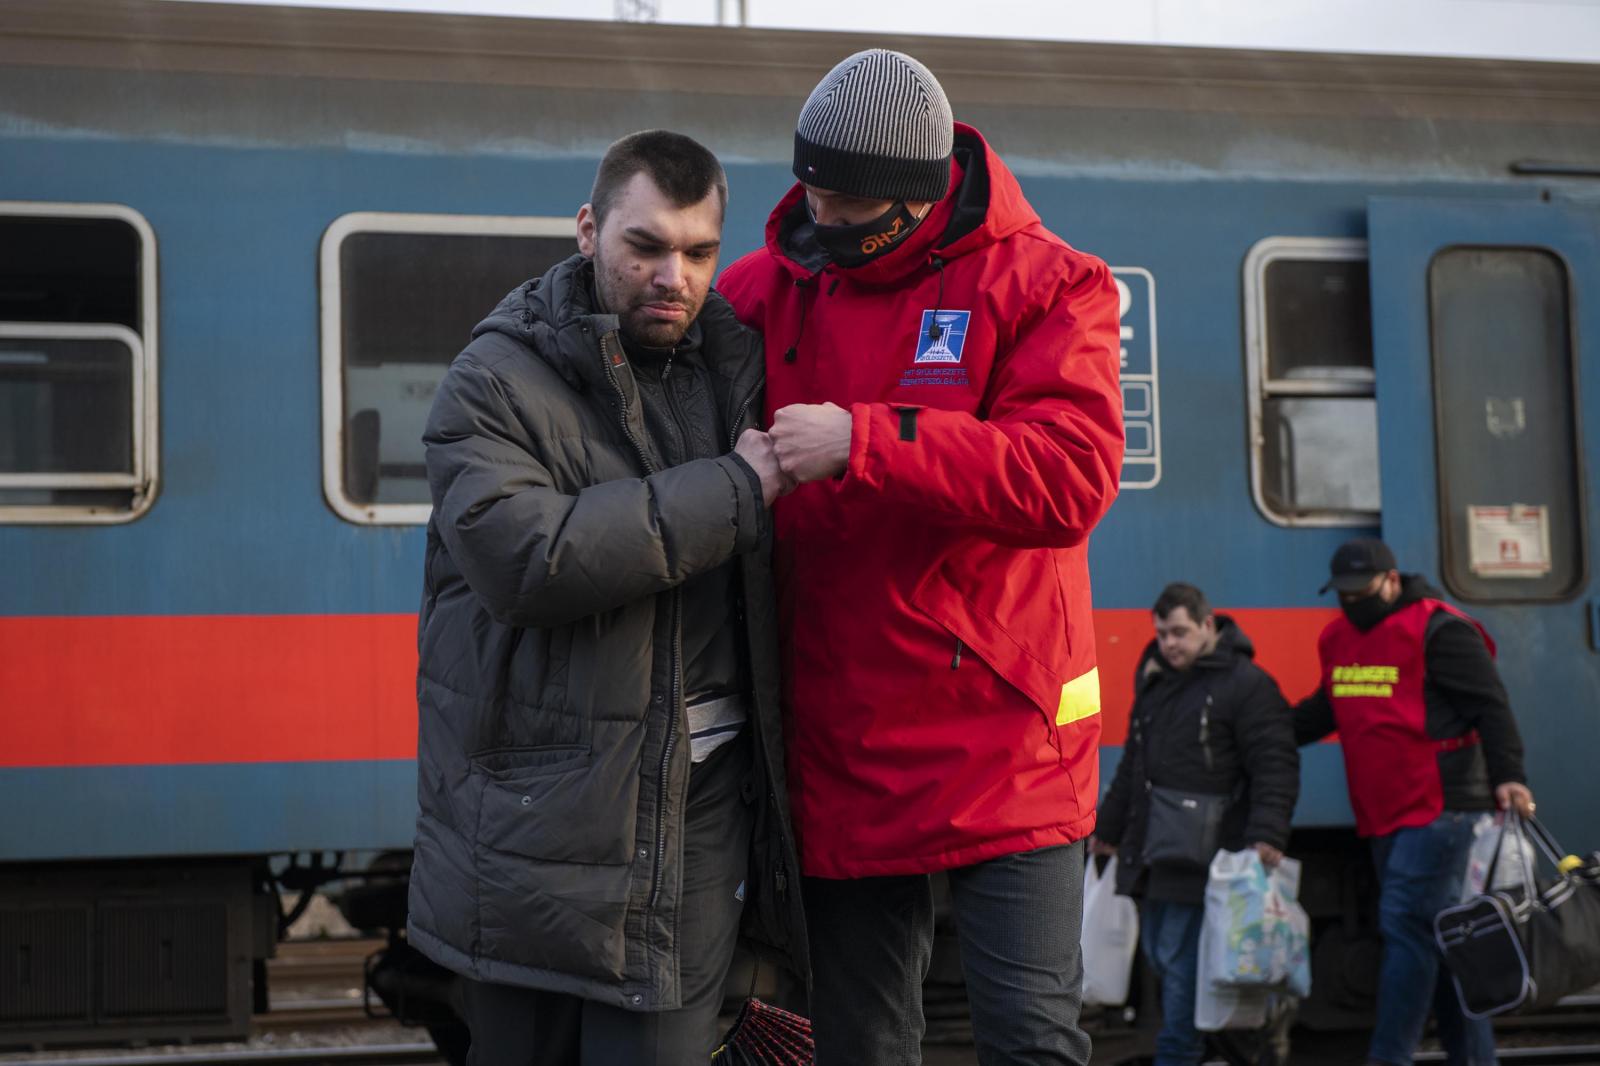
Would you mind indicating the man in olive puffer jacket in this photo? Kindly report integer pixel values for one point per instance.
(600, 773)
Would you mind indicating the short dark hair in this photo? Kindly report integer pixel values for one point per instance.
(681, 167)
(1181, 594)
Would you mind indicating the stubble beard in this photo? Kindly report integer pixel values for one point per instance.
(636, 324)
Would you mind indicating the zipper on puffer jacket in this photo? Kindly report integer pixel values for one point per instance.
(606, 355)
(955, 660)
(666, 749)
(607, 340)
(738, 415)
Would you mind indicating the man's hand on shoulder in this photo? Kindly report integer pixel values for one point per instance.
(1270, 856)
(1515, 794)
(812, 440)
(755, 448)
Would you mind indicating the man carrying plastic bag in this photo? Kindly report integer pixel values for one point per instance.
(1209, 763)
(1255, 943)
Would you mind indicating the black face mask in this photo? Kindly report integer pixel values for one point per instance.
(1366, 612)
(863, 242)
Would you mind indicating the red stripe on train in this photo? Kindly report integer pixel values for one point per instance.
(209, 689)
(162, 690)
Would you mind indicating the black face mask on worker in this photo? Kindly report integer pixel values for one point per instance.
(862, 242)
(1366, 612)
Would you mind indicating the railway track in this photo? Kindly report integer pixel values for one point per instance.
(1552, 1055)
(421, 1054)
(315, 962)
(316, 990)
(316, 984)
(301, 1015)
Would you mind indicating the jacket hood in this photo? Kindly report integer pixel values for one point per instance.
(550, 314)
(1233, 645)
(984, 205)
(1414, 587)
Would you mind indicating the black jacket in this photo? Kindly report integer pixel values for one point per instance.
(1213, 728)
(1461, 690)
(553, 755)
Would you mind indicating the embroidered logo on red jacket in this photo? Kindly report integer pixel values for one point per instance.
(942, 336)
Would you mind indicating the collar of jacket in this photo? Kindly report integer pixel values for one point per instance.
(984, 204)
(1233, 644)
(554, 315)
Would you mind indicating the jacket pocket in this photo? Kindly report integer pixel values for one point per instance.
(556, 803)
(1038, 663)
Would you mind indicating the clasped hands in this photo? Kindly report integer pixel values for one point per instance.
(807, 442)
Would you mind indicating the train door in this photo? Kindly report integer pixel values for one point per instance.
(1486, 344)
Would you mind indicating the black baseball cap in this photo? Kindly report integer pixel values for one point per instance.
(1357, 562)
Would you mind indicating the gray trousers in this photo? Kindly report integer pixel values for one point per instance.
(526, 1027)
(1018, 919)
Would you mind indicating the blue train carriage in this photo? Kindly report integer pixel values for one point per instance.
(238, 247)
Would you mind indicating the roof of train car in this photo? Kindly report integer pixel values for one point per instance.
(343, 43)
(466, 79)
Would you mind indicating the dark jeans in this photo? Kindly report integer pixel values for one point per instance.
(1018, 920)
(1420, 872)
(1169, 935)
(525, 1027)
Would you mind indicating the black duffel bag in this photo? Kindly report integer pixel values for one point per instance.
(1523, 948)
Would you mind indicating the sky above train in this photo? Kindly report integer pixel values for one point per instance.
(1517, 29)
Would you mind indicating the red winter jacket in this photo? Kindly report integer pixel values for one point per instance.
(940, 685)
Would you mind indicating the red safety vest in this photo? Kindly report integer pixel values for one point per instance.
(1374, 682)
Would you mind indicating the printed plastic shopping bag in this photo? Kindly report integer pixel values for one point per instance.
(1110, 937)
(1255, 932)
(1218, 1007)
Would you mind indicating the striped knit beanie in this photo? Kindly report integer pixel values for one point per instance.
(878, 126)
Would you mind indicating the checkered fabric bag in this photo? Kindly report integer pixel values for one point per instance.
(764, 1035)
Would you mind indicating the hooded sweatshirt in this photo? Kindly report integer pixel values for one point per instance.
(940, 685)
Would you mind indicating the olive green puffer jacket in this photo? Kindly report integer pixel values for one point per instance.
(553, 754)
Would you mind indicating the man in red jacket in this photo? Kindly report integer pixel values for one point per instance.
(942, 381)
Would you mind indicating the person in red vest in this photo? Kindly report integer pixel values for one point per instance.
(1430, 744)
(942, 380)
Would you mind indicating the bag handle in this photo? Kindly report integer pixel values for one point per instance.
(1547, 843)
(1526, 829)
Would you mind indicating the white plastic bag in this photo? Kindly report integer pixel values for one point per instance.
(1219, 1007)
(1516, 854)
(1110, 937)
(1254, 940)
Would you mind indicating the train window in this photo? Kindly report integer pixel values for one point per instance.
(77, 363)
(1510, 491)
(400, 295)
(1308, 359)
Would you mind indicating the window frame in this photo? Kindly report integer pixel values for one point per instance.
(1259, 386)
(330, 287)
(143, 344)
